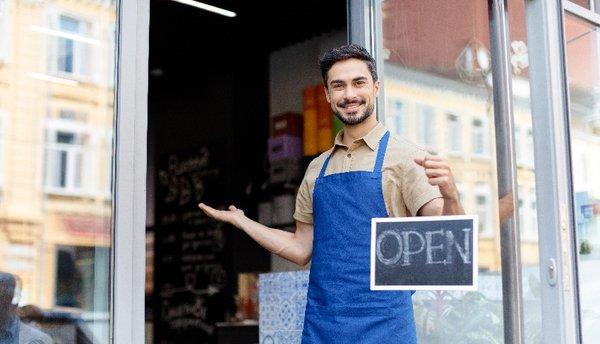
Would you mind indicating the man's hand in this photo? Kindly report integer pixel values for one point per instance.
(439, 173)
(295, 247)
(232, 216)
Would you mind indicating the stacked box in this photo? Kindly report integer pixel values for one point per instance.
(289, 123)
(285, 170)
(311, 129)
(324, 120)
(284, 147)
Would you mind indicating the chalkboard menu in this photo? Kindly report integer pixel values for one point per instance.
(190, 273)
(424, 253)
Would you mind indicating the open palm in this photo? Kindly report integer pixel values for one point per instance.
(230, 216)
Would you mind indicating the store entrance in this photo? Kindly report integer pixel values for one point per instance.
(215, 85)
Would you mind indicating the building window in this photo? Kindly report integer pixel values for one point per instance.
(71, 57)
(483, 209)
(528, 213)
(64, 158)
(523, 225)
(109, 167)
(81, 278)
(518, 146)
(397, 116)
(479, 141)
(426, 117)
(453, 133)
(2, 163)
(111, 55)
(533, 218)
(4, 30)
(528, 147)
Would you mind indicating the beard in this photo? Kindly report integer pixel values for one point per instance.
(355, 118)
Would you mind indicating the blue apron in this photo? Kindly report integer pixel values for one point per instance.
(341, 308)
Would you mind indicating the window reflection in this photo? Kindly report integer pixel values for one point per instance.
(583, 57)
(56, 121)
(437, 60)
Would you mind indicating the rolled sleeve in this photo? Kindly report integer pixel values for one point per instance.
(416, 189)
(304, 207)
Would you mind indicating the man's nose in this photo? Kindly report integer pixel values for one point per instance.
(350, 93)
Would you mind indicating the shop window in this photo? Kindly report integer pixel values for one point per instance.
(71, 50)
(453, 134)
(479, 138)
(4, 31)
(65, 158)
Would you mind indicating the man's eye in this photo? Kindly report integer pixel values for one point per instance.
(360, 83)
(337, 86)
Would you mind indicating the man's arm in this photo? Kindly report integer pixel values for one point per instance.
(439, 174)
(295, 247)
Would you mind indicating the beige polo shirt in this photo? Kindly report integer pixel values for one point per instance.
(405, 185)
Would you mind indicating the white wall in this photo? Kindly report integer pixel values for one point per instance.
(295, 67)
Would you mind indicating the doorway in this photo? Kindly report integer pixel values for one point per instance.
(215, 84)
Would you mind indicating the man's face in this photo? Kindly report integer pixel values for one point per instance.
(351, 91)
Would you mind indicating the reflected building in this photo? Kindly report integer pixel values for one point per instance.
(56, 119)
(438, 91)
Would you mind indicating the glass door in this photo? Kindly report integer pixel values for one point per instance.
(582, 39)
(57, 113)
(437, 63)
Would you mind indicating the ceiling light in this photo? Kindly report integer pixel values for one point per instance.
(207, 7)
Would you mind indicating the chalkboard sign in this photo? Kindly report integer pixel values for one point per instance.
(190, 273)
(424, 253)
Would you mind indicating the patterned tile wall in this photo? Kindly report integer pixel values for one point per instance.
(282, 301)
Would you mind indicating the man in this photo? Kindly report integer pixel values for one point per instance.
(366, 174)
(12, 329)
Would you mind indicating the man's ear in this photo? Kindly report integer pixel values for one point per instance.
(376, 86)
(326, 94)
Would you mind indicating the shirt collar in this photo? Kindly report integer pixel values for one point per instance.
(371, 139)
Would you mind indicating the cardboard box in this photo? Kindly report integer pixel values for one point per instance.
(283, 147)
(289, 123)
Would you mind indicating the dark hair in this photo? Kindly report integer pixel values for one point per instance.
(346, 52)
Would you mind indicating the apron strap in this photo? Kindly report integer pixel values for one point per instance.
(324, 167)
(381, 152)
(378, 163)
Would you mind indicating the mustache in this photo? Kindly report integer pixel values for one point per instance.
(345, 103)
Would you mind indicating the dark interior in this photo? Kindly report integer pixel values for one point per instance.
(208, 85)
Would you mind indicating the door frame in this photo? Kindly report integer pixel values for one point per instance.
(127, 310)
